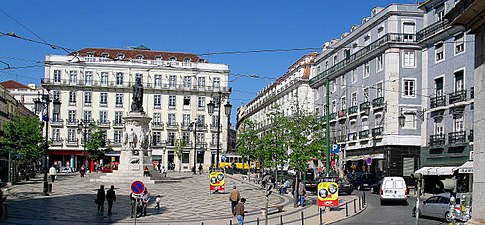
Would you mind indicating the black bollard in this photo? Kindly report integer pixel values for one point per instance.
(230, 222)
(355, 208)
(360, 204)
(364, 199)
(346, 209)
(202, 223)
(281, 219)
(321, 219)
(257, 221)
(302, 219)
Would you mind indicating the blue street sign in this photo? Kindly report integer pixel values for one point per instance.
(223, 157)
(19, 156)
(335, 149)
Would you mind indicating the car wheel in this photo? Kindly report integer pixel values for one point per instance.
(448, 217)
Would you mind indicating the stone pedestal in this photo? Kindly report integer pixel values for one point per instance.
(135, 151)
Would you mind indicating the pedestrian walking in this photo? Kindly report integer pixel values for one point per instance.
(200, 168)
(159, 165)
(110, 198)
(53, 173)
(239, 212)
(234, 197)
(301, 194)
(100, 198)
(158, 200)
(146, 173)
(82, 170)
(163, 171)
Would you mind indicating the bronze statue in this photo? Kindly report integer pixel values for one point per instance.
(137, 104)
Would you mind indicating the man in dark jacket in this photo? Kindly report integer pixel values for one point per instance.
(100, 198)
(110, 197)
(239, 212)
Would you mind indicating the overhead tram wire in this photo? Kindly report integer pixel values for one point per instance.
(53, 46)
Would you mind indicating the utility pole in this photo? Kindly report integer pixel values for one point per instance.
(327, 128)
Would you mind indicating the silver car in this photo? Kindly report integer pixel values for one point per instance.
(438, 206)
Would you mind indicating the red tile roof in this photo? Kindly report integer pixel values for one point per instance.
(11, 84)
(133, 53)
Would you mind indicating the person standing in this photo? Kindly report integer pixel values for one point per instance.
(239, 212)
(100, 198)
(234, 197)
(158, 200)
(301, 193)
(82, 170)
(159, 165)
(53, 173)
(145, 198)
(200, 168)
(110, 197)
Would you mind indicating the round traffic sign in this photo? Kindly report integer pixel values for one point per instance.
(137, 187)
(368, 161)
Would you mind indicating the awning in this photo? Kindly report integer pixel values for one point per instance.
(436, 171)
(364, 157)
(113, 153)
(467, 167)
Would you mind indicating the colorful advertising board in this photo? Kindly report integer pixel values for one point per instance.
(216, 181)
(327, 194)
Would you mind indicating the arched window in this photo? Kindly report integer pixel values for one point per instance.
(173, 58)
(187, 59)
(139, 57)
(105, 55)
(120, 56)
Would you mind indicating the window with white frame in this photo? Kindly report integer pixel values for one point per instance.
(157, 81)
(139, 76)
(157, 100)
(366, 94)
(215, 121)
(186, 102)
(459, 82)
(364, 124)
(185, 120)
(409, 120)
(326, 64)
(118, 117)
(88, 98)
(353, 100)
(171, 101)
(104, 78)
(88, 116)
(379, 90)
(353, 76)
(366, 69)
(186, 137)
(409, 87)
(157, 118)
(367, 40)
(379, 63)
(56, 134)
(72, 97)
(201, 82)
(71, 116)
(172, 81)
(458, 123)
(440, 12)
(343, 103)
(201, 120)
(409, 58)
(119, 78)
(335, 59)
(57, 76)
(459, 43)
(334, 106)
(439, 51)
(438, 86)
(409, 30)
(201, 103)
(156, 138)
(73, 77)
(380, 31)
(171, 119)
(71, 135)
(438, 125)
(117, 136)
(119, 100)
(103, 117)
(103, 99)
(344, 81)
(216, 82)
(187, 81)
(171, 139)
(88, 77)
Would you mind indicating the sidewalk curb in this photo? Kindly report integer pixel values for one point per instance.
(347, 217)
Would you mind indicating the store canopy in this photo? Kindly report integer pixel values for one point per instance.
(467, 167)
(364, 157)
(436, 171)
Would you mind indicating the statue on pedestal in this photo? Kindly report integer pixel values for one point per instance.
(137, 104)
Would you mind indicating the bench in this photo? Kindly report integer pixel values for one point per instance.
(278, 207)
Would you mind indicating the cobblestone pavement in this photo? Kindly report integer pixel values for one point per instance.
(185, 200)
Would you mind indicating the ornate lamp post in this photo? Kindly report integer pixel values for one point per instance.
(210, 108)
(84, 128)
(42, 105)
(195, 124)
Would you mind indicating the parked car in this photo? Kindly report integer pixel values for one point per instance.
(393, 189)
(362, 180)
(438, 206)
(374, 189)
(66, 169)
(344, 186)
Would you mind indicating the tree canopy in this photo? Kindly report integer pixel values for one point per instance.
(96, 144)
(23, 135)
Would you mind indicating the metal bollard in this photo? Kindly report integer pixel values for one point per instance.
(202, 223)
(355, 208)
(346, 209)
(281, 219)
(257, 221)
(363, 199)
(321, 213)
(230, 222)
(360, 204)
(302, 219)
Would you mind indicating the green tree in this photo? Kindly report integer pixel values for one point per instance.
(180, 145)
(23, 135)
(247, 141)
(96, 144)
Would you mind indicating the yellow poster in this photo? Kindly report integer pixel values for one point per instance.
(327, 194)
(216, 181)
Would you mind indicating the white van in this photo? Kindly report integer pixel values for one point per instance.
(394, 189)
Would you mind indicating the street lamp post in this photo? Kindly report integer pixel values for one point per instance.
(195, 123)
(210, 108)
(42, 105)
(84, 128)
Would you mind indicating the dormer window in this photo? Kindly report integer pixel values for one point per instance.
(105, 55)
(139, 57)
(201, 60)
(120, 56)
(187, 60)
(89, 54)
(158, 58)
(173, 58)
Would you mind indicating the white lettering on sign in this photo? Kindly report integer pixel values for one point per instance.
(465, 170)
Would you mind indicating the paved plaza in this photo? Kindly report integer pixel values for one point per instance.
(185, 200)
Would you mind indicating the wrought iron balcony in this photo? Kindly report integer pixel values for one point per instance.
(157, 125)
(72, 123)
(213, 127)
(364, 134)
(118, 123)
(57, 123)
(378, 131)
(457, 96)
(172, 125)
(352, 136)
(56, 141)
(470, 136)
(214, 144)
(341, 138)
(437, 101)
(342, 114)
(170, 142)
(104, 123)
(202, 127)
(432, 29)
(436, 140)
(378, 102)
(364, 107)
(353, 110)
(333, 116)
(457, 137)
(72, 142)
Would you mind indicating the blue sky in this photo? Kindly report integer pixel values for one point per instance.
(182, 26)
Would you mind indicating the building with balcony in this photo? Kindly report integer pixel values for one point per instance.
(373, 74)
(25, 94)
(94, 85)
(288, 93)
(448, 87)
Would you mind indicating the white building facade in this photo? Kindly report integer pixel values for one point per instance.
(95, 86)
